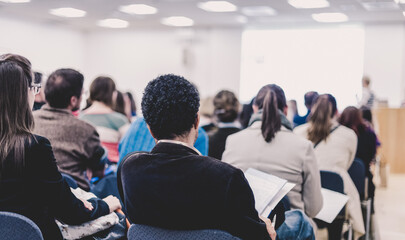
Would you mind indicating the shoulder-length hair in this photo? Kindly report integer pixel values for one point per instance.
(270, 99)
(16, 120)
(351, 118)
(321, 117)
(102, 89)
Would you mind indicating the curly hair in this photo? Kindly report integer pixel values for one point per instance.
(170, 105)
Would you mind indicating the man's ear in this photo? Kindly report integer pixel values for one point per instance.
(151, 133)
(197, 121)
(73, 102)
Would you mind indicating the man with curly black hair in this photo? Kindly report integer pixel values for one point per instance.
(173, 186)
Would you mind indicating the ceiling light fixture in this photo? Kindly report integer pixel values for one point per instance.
(330, 17)
(259, 11)
(309, 3)
(178, 21)
(113, 23)
(15, 1)
(217, 6)
(140, 9)
(68, 12)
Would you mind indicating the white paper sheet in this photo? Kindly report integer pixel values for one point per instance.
(264, 186)
(276, 199)
(333, 202)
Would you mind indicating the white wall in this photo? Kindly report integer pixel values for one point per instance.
(213, 56)
(48, 47)
(209, 58)
(384, 61)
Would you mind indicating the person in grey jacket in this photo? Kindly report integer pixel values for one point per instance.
(269, 145)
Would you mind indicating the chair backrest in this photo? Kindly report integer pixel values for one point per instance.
(357, 172)
(70, 181)
(14, 226)
(332, 181)
(145, 232)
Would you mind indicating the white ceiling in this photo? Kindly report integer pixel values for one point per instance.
(37, 11)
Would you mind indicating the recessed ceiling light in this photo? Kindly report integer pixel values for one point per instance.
(178, 21)
(68, 12)
(140, 9)
(113, 23)
(15, 1)
(330, 17)
(309, 3)
(241, 19)
(400, 1)
(259, 11)
(217, 6)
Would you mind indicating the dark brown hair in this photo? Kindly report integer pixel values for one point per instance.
(16, 120)
(320, 119)
(102, 89)
(119, 104)
(226, 106)
(270, 99)
(351, 118)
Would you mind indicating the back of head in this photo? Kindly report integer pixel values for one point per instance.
(351, 118)
(119, 103)
(207, 107)
(226, 106)
(62, 85)
(170, 106)
(271, 99)
(367, 114)
(16, 120)
(310, 98)
(132, 102)
(366, 81)
(37, 77)
(102, 89)
(321, 117)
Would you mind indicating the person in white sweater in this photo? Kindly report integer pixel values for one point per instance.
(335, 148)
(269, 145)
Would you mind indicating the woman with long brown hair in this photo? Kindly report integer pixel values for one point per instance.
(30, 183)
(335, 149)
(270, 146)
(352, 118)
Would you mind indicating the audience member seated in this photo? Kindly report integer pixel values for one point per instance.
(119, 104)
(109, 124)
(174, 187)
(309, 99)
(335, 148)
(207, 115)
(40, 97)
(226, 111)
(138, 138)
(130, 106)
(31, 184)
(366, 141)
(269, 145)
(75, 143)
(246, 113)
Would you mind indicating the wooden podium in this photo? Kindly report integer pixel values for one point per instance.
(391, 132)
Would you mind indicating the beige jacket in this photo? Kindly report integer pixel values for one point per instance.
(287, 156)
(337, 154)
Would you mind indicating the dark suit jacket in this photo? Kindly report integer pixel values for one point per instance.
(39, 192)
(217, 141)
(175, 188)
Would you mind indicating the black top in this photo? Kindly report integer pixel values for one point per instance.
(217, 141)
(173, 187)
(366, 146)
(39, 192)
